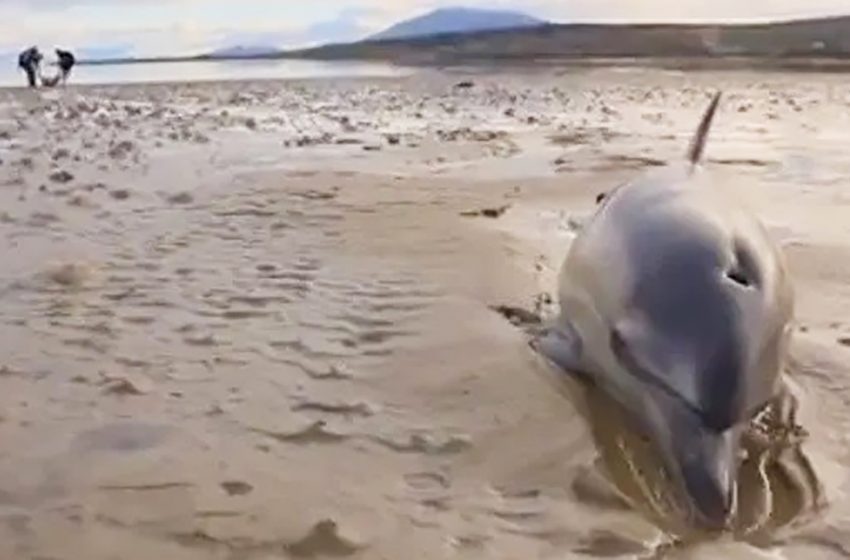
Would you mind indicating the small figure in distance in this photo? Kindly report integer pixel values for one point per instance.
(66, 63)
(29, 61)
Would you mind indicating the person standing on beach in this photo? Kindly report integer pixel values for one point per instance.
(66, 63)
(29, 61)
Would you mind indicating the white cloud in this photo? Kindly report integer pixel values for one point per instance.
(190, 26)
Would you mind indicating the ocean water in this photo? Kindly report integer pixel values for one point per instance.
(196, 71)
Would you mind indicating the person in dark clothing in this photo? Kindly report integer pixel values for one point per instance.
(29, 61)
(66, 63)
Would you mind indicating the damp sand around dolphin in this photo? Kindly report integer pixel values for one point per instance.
(268, 319)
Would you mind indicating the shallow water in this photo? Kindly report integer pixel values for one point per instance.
(207, 71)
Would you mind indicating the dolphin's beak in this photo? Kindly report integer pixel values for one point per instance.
(708, 463)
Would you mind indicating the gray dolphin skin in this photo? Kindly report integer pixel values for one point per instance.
(675, 302)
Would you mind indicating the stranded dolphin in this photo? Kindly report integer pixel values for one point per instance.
(675, 302)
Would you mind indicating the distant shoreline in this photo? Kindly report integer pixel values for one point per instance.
(125, 61)
(750, 63)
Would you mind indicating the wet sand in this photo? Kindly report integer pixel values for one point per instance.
(256, 320)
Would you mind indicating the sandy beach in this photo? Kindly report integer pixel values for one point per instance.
(260, 320)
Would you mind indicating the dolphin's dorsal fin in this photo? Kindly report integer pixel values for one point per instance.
(697, 147)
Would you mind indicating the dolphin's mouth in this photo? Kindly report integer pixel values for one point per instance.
(712, 499)
(708, 464)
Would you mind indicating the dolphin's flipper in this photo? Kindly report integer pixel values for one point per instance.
(561, 345)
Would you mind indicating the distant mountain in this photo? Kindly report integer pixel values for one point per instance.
(244, 52)
(824, 38)
(457, 20)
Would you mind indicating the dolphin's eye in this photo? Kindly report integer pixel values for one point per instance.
(630, 361)
(617, 343)
(620, 347)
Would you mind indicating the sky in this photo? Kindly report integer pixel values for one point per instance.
(169, 27)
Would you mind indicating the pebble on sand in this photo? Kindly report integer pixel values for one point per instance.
(72, 275)
(80, 201)
(135, 386)
(236, 488)
(324, 539)
(181, 198)
(487, 212)
(61, 176)
(121, 149)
